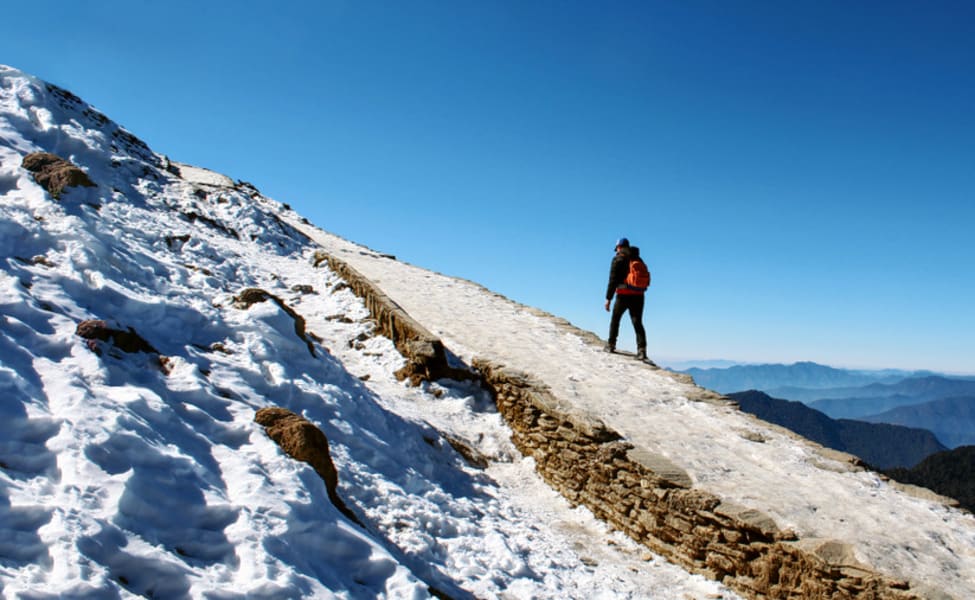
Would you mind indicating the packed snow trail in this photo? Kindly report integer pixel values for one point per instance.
(794, 482)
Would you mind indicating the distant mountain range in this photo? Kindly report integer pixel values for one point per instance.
(918, 399)
(806, 375)
(905, 418)
(951, 419)
(853, 403)
(683, 365)
(881, 445)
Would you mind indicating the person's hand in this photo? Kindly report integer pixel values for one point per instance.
(607, 306)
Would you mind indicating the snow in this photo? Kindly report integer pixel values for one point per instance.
(203, 176)
(121, 478)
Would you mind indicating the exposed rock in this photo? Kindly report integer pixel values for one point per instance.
(301, 440)
(251, 296)
(193, 217)
(660, 465)
(167, 364)
(40, 259)
(220, 347)
(748, 518)
(175, 242)
(127, 341)
(340, 318)
(471, 454)
(54, 173)
(199, 269)
(425, 354)
(319, 257)
(834, 553)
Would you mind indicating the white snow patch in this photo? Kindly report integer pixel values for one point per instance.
(203, 176)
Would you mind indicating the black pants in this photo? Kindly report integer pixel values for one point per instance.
(634, 304)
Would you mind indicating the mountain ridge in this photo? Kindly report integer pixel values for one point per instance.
(880, 397)
(951, 473)
(881, 445)
(952, 420)
(165, 256)
(803, 374)
(144, 474)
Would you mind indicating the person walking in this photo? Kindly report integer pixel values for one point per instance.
(628, 280)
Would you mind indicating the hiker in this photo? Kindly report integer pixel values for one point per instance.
(628, 280)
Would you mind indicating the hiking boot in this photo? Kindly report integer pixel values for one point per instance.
(641, 354)
(610, 348)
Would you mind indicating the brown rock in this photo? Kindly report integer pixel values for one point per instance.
(126, 341)
(54, 173)
(251, 296)
(301, 440)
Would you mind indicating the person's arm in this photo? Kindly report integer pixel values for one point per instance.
(611, 288)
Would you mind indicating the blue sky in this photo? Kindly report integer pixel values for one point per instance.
(800, 176)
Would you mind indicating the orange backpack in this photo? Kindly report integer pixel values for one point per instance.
(639, 276)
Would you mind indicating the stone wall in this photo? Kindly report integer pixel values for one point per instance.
(651, 500)
(636, 491)
(425, 354)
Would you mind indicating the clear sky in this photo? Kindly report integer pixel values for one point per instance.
(800, 176)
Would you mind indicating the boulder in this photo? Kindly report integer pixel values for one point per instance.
(124, 340)
(251, 296)
(301, 440)
(54, 173)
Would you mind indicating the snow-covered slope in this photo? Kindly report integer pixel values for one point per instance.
(142, 474)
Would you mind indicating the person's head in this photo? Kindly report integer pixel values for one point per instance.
(622, 243)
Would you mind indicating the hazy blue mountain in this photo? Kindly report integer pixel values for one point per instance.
(878, 398)
(881, 445)
(683, 365)
(886, 385)
(798, 375)
(857, 407)
(950, 473)
(905, 383)
(951, 419)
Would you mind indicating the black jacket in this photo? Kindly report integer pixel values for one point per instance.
(620, 269)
